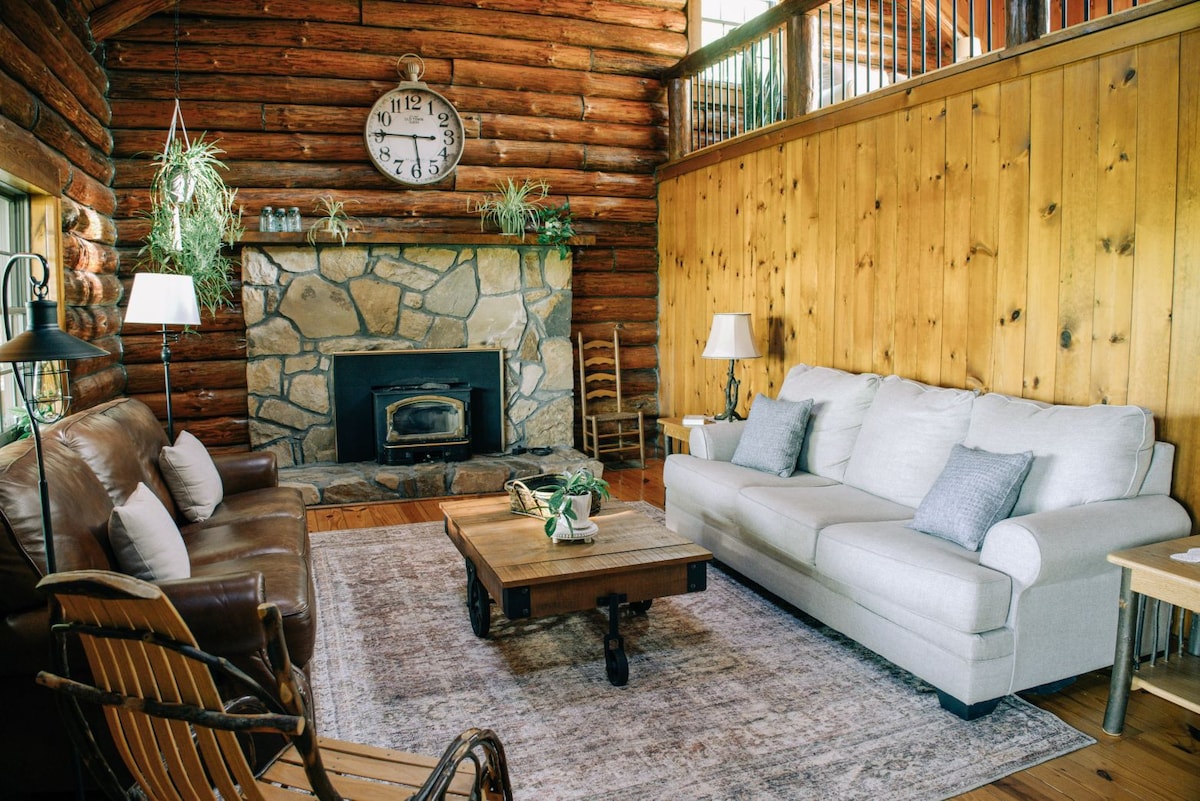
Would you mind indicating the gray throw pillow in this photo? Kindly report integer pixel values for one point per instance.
(774, 435)
(146, 540)
(192, 477)
(976, 490)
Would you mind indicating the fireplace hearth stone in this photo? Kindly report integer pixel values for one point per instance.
(363, 482)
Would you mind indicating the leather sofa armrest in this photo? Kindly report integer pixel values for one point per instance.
(221, 611)
(716, 442)
(25, 642)
(1048, 547)
(241, 472)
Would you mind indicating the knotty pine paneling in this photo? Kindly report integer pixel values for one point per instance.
(1033, 232)
(567, 92)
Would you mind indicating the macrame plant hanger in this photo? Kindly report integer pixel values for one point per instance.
(177, 187)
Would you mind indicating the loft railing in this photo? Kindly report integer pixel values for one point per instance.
(802, 55)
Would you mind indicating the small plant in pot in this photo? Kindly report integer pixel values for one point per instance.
(570, 503)
(514, 208)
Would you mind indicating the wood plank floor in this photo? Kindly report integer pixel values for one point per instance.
(1158, 757)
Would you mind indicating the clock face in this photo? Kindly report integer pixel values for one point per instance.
(414, 135)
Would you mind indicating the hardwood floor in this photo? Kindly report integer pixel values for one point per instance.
(1158, 757)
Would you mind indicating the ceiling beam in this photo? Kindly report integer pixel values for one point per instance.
(111, 19)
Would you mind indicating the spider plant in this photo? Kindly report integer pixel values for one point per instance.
(514, 207)
(193, 220)
(333, 220)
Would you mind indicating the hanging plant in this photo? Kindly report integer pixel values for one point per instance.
(514, 208)
(193, 220)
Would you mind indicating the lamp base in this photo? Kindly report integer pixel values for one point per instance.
(732, 388)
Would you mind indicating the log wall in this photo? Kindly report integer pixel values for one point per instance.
(563, 91)
(1027, 224)
(54, 121)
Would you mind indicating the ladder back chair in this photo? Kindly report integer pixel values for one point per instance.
(608, 427)
(179, 741)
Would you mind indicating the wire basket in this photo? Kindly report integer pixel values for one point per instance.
(523, 498)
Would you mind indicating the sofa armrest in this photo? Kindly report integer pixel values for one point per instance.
(1047, 547)
(221, 611)
(241, 472)
(716, 442)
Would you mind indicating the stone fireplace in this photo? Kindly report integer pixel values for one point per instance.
(307, 307)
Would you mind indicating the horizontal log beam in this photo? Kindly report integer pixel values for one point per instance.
(187, 376)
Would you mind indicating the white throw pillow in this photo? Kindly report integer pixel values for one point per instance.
(146, 540)
(840, 401)
(192, 477)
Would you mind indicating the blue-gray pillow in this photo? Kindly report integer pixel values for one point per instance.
(773, 435)
(976, 490)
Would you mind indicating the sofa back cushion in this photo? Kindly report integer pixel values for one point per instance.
(120, 441)
(1081, 454)
(79, 511)
(840, 401)
(906, 438)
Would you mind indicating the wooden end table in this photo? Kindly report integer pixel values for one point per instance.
(510, 561)
(674, 429)
(1150, 571)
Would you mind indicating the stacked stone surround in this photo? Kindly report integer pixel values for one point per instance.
(303, 304)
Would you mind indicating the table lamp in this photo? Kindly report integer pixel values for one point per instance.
(38, 357)
(731, 338)
(164, 299)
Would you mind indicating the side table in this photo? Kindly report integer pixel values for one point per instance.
(1151, 572)
(674, 429)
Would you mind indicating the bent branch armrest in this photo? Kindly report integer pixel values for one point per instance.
(716, 442)
(221, 611)
(241, 472)
(1048, 547)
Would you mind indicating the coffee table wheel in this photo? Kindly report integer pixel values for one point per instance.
(641, 607)
(616, 665)
(479, 605)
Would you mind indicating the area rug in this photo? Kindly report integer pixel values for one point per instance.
(729, 696)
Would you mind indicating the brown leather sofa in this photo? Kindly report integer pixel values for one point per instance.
(253, 548)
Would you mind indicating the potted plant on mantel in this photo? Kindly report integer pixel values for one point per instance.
(514, 208)
(193, 220)
(569, 505)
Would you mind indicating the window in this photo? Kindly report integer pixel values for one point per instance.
(719, 17)
(14, 238)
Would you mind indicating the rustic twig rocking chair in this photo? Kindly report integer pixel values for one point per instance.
(608, 427)
(177, 739)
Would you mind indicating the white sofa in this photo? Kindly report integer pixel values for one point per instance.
(1036, 604)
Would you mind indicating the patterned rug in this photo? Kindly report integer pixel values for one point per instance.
(729, 696)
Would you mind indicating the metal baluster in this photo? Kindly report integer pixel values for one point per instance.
(1154, 634)
(1137, 639)
(895, 42)
(939, 30)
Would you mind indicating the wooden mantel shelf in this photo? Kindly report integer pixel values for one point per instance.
(402, 238)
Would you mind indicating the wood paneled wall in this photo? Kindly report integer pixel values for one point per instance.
(562, 91)
(1027, 225)
(54, 117)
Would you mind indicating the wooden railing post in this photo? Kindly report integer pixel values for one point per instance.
(679, 108)
(802, 44)
(1026, 20)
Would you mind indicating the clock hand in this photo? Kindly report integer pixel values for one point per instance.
(381, 134)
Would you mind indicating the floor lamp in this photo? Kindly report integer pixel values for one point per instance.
(164, 299)
(38, 357)
(731, 338)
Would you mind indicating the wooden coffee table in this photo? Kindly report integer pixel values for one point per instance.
(631, 560)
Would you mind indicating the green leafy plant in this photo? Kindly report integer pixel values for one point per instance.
(558, 504)
(333, 220)
(193, 222)
(514, 207)
(555, 225)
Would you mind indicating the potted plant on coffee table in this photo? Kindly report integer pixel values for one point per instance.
(569, 505)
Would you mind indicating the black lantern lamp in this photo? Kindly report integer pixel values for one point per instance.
(39, 356)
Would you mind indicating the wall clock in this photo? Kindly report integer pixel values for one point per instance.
(414, 135)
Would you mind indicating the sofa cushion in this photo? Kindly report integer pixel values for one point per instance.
(146, 540)
(1081, 454)
(976, 490)
(931, 577)
(840, 401)
(790, 519)
(192, 477)
(773, 436)
(906, 439)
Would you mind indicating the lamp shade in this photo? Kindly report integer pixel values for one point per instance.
(163, 299)
(44, 340)
(731, 337)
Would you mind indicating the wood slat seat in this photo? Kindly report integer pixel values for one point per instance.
(180, 740)
(608, 427)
